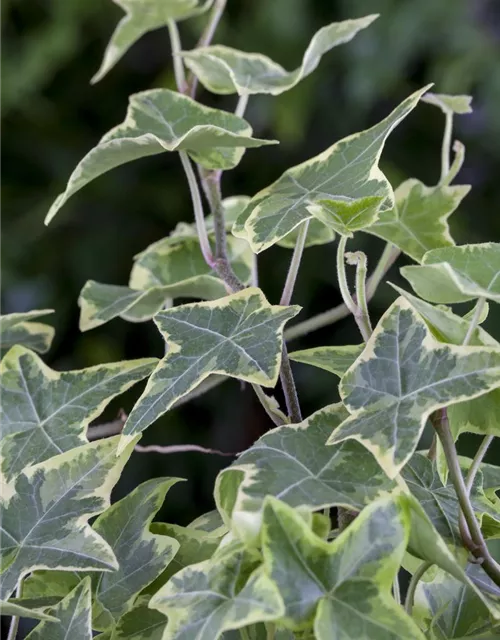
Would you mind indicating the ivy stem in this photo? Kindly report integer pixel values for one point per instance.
(175, 43)
(198, 209)
(242, 105)
(14, 623)
(474, 323)
(293, 270)
(396, 590)
(473, 540)
(412, 587)
(342, 276)
(289, 388)
(206, 39)
(387, 259)
(446, 147)
(457, 163)
(362, 321)
(359, 259)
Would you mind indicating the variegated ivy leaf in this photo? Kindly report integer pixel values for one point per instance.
(210, 523)
(44, 412)
(19, 328)
(14, 609)
(346, 172)
(418, 221)
(347, 218)
(402, 376)
(440, 502)
(457, 274)
(140, 623)
(448, 608)
(143, 16)
(240, 336)
(293, 464)
(317, 234)
(448, 103)
(342, 587)
(73, 615)
(229, 591)
(225, 70)
(167, 271)
(333, 359)
(161, 120)
(44, 524)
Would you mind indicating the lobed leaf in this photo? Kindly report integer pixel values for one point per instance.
(240, 336)
(346, 172)
(73, 615)
(225, 70)
(342, 587)
(161, 120)
(402, 376)
(293, 464)
(335, 359)
(18, 328)
(143, 16)
(229, 591)
(44, 524)
(347, 218)
(459, 104)
(419, 220)
(45, 413)
(457, 274)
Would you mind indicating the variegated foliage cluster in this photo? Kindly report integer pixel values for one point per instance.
(273, 561)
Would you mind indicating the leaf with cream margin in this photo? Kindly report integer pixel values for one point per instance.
(167, 271)
(14, 609)
(336, 359)
(402, 376)
(458, 104)
(45, 522)
(347, 218)
(45, 413)
(457, 274)
(293, 464)
(143, 16)
(19, 328)
(229, 591)
(225, 70)
(346, 172)
(74, 617)
(419, 220)
(342, 587)
(240, 336)
(161, 120)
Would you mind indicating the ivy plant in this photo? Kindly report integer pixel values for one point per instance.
(333, 525)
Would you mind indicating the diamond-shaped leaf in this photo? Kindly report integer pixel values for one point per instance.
(402, 376)
(73, 615)
(293, 464)
(333, 359)
(229, 591)
(161, 120)
(418, 221)
(342, 587)
(346, 172)
(143, 16)
(19, 328)
(44, 524)
(457, 274)
(240, 336)
(225, 70)
(44, 412)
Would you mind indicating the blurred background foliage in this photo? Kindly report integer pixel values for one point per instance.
(52, 116)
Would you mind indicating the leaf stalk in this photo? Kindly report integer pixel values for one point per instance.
(293, 270)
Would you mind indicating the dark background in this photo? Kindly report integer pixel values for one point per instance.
(52, 117)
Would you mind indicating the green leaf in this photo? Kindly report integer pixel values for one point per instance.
(160, 120)
(346, 172)
(419, 220)
(143, 16)
(449, 104)
(317, 234)
(44, 524)
(440, 502)
(457, 274)
(141, 555)
(140, 623)
(240, 336)
(347, 218)
(343, 586)
(73, 615)
(45, 413)
(210, 523)
(293, 464)
(402, 376)
(229, 591)
(333, 359)
(225, 70)
(18, 328)
(14, 609)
